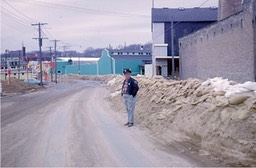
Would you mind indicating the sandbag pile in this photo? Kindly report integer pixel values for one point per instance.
(217, 116)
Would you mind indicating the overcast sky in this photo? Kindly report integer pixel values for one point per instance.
(85, 23)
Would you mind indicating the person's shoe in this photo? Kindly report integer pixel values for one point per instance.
(130, 124)
(126, 124)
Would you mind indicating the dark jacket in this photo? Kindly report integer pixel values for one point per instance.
(132, 88)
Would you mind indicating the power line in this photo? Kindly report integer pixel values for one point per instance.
(14, 15)
(30, 19)
(14, 28)
(88, 9)
(14, 19)
(47, 32)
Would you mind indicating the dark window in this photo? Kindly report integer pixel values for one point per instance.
(22, 73)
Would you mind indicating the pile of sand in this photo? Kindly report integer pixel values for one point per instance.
(17, 86)
(217, 118)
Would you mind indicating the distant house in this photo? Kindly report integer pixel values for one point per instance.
(15, 63)
(185, 21)
(110, 62)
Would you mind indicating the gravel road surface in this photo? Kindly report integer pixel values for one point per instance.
(72, 124)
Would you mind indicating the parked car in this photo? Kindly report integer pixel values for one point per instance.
(32, 81)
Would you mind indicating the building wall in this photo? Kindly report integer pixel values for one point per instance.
(71, 69)
(229, 7)
(164, 66)
(88, 69)
(158, 33)
(225, 49)
(105, 63)
(254, 11)
(132, 64)
(181, 30)
(61, 67)
(148, 70)
(158, 37)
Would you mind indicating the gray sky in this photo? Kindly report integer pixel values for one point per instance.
(89, 23)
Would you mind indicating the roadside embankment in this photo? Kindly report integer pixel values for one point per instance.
(214, 118)
(17, 86)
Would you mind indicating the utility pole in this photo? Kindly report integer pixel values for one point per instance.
(55, 55)
(19, 65)
(173, 63)
(40, 40)
(51, 63)
(6, 62)
(79, 69)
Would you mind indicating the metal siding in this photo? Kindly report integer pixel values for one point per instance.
(88, 69)
(105, 63)
(181, 30)
(160, 15)
(132, 64)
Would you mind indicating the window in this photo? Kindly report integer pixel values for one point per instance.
(22, 73)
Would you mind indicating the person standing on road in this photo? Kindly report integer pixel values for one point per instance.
(129, 91)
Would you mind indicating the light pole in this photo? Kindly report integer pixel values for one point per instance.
(5, 71)
(172, 41)
(79, 64)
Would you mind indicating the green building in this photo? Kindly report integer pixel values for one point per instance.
(110, 62)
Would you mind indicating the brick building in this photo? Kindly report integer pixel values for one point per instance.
(185, 21)
(225, 49)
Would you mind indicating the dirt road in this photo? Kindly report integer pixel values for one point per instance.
(73, 125)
